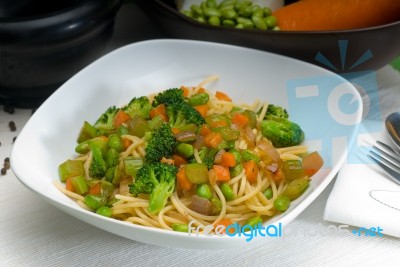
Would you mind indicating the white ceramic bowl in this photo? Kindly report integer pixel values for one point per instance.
(49, 137)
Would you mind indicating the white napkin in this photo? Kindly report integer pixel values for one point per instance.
(350, 201)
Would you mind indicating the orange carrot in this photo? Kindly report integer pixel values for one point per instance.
(251, 170)
(175, 130)
(315, 15)
(223, 224)
(278, 175)
(213, 139)
(95, 189)
(240, 119)
(202, 109)
(185, 91)
(159, 110)
(204, 130)
(120, 118)
(68, 185)
(222, 173)
(201, 90)
(126, 143)
(182, 180)
(221, 123)
(228, 159)
(179, 160)
(222, 96)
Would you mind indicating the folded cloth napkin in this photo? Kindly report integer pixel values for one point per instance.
(350, 201)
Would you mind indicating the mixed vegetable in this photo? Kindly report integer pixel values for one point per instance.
(187, 149)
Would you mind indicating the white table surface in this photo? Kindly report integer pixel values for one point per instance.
(34, 233)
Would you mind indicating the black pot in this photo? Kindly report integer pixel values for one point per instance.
(44, 43)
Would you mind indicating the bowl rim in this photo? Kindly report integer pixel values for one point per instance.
(162, 4)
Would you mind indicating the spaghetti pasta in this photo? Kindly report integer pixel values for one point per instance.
(181, 207)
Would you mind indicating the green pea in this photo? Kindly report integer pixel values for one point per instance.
(271, 21)
(216, 205)
(211, 3)
(227, 191)
(211, 12)
(282, 203)
(228, 23)
(188, 13)
(178, 227)
(236, 153)
(252, 222)
(214, 21)
(185, 150)
(226, 3)
(94, 201)
(204, 191)
(267, 11)
(259, 22)
(249, 155)
(245, 11)
(104, 211)
(258, 12)
(269, 193)
(227, 7)
(198, 99)
(201, 19)
(239, 26)
(122, 130)
(112, 157)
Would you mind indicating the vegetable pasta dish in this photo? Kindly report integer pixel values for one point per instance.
(189, 155)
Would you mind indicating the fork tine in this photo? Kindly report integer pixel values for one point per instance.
(394, 158)
(389, 148)
(387, 166)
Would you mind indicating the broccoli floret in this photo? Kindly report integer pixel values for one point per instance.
(182, 114)
(169, 97)
(98, 165)
(161, 143)
(156, 179)
(276, 111)
(138, 106)
(282, 132)
(105, 122)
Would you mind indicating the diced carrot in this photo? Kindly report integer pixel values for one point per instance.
(126, 143)
(228, 159)
(225, 223)
(179, 160)
(204, 130)
(120, 118)
(95, 189)
(311, 15)
(222, 96)
(202, 109)
(175, 130)
(68, 185)
(185, 91)
(222, 173)
(251, 170)
(240, 119)
(221, 123)
(201, 90)
(159, 110)
(278, 175)
(213, 139)
(182, 180)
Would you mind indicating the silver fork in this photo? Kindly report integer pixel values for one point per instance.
(387, 158)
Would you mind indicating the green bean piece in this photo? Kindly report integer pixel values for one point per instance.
(185, 150)
(197, 11)
(246, 22)
(115, 142)
(104, 211)
(293, 169)
(132, 165)
(269, 193)
(245, 11)
(227, 7)
(267, 11)
(112, 157)
(254, 221)
(239, 26)
(198, 99)
(211, 12)
(94, 201)
(114, 175)
(236, 153)
(271, 21)
(122, 130)
(258, 12)
(226, 3)
(249, 155)
(201, 19)
(204, 191)
(296, 188)
(227, 191)
(214, 21)
(178, 227)
(282, 203)
(87, 132)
